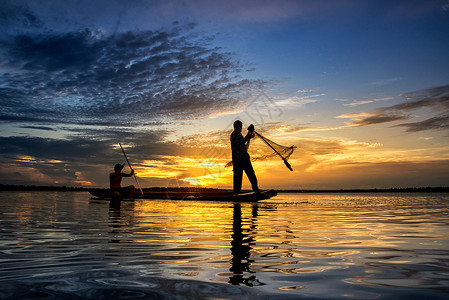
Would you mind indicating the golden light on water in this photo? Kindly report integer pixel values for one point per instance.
(322, 220)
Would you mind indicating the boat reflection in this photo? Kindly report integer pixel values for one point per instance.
(241, 245)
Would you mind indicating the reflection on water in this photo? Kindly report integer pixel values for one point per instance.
(241, 243)
(296, 245)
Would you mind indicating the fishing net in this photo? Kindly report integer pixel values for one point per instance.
(270, 150)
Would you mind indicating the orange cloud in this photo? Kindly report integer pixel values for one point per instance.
(22, 174)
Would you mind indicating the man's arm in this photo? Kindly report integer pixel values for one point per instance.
(250, 133)
(248, 136)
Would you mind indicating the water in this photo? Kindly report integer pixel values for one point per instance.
(296, 246)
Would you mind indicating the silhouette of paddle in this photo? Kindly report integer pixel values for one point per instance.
(131, 168)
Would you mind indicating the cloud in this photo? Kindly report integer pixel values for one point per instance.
(362, 102)
(437, 123)
(14, 17)
(46, 128)
(435, 102)
(436, 98)
(77, 148)
(90, 152)
(86, 90)
(379, 174)
(298, 101)
(15, 174)
(377, 118)
(87, 77)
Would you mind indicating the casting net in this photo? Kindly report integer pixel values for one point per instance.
(264, 149)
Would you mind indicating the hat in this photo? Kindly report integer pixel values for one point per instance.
(118, 167)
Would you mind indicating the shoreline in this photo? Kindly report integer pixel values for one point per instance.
(10, 187)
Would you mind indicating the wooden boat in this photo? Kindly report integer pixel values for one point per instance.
(191, 195)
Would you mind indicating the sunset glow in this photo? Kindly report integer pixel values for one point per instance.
(364, 97)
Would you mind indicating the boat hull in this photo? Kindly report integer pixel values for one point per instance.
(194, 196)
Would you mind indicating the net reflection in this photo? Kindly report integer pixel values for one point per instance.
(241, 245)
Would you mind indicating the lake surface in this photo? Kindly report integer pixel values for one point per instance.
(295, 246)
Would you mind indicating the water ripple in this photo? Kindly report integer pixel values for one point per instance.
(309, 246)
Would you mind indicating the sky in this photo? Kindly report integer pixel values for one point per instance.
(361, 88)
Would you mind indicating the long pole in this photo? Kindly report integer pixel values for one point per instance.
(130, 167)
(285, 161)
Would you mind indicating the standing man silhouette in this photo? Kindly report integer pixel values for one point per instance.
(240, 157)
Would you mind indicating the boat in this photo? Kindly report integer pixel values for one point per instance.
(217, 195)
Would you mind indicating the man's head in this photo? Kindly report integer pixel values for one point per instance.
(238, 125)
(118, 167)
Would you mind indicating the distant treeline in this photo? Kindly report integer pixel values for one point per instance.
(390, 190)
(10, 187)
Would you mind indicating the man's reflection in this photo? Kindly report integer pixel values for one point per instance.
(241, 247)
(115, 204)
(117, 220)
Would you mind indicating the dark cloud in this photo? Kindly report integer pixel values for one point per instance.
(46, 128)
(78, 149)
(437, 123)
(147, 78)
(379, 118)
(15, 17)
(90, 152)
(88, 77)
(434, 100)
(46, 161)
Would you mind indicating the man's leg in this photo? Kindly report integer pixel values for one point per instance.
(251, 175)
(238, 175)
